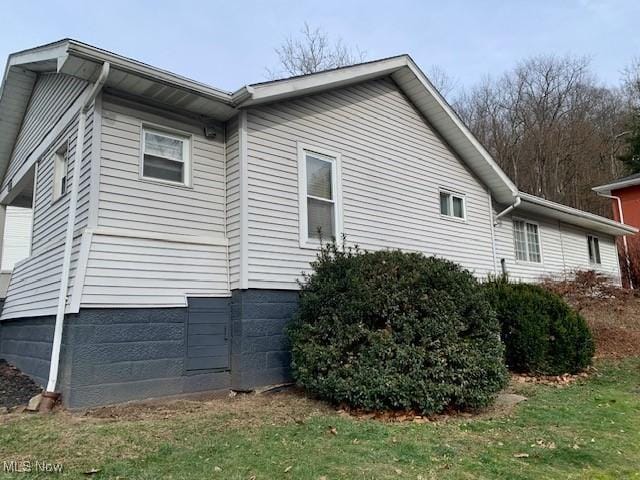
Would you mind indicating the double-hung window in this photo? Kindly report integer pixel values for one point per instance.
(452, 205)
(526, 236)
(60, 172)
(593, 245)
(319, 201)
(165, 156)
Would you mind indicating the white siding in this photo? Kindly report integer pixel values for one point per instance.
(233, 202)
(392, 166)
(52, 95)
(128, 202)
(574, 243)
(564, 250)
(35, 281)
(136, 272)
(136, 268)
(17, 236)
(35, 284)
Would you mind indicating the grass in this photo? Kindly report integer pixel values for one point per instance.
(590, 429)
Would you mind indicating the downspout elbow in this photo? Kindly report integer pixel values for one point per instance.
(511, 207)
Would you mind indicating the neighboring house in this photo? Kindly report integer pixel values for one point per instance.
(625, 198)
(167, 262)
(16, 242)
(625, 203)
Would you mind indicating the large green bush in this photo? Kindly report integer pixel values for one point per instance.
(541, 332)
(393, 330)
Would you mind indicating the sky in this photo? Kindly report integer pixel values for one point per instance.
(229, 44)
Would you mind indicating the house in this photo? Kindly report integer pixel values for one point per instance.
(16, 242)
(625, 202)
(625, 198)
(172, 220)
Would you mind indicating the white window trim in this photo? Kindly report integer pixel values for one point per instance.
(64, 145)
(453, 193)
(336, 179)
(187, 151)
(595, 264)
(513, 232)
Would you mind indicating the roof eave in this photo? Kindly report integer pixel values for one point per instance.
(596, 222)
(608, 188)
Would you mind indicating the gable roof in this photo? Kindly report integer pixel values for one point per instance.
(628, 181)
(153, 85)
(420, 91)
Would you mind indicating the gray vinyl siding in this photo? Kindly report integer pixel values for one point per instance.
(49, 217)
(137, 269)
(52, 96)
(35, 284)
(564, 250)
(137, 272)
(393, 164)
(233, 202)
(127, 201)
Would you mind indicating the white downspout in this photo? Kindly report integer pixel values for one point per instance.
(71, 220)
(515, 204)
(624, 237)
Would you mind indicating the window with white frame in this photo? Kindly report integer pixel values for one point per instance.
(319, 201)
(60, 172)
(526, 237)
(452, 204)
(165, 156)
(593, 245)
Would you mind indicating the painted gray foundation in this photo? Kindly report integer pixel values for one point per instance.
(26, 343)
(260, 353)
(116, 355)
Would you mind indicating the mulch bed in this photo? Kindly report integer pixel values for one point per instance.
(15, 387)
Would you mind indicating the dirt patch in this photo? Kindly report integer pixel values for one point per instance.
(15, 387)
(613, 313)
(251, 408)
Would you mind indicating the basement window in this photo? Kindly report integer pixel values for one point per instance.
(165, 157)
(60, 172)
(593, 244)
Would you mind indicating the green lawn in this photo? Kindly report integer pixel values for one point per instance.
(590, 429)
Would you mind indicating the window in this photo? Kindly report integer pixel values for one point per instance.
(320, 215)
(165, 157)
(594, 250)
(452, 205)
(526, 237)
(60, 172)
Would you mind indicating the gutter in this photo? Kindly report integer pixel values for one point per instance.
(50, 396)
(624, 237)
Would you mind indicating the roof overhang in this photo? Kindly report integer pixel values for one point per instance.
(573, 216)
(609, 187)
(127, 76)
(415, 85)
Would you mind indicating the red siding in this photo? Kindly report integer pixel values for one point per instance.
(630, 198)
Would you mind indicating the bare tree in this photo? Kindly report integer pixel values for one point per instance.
(313, 51)
(445, 83)
(551, 127)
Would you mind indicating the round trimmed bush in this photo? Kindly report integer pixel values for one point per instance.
(394, 330)
(541, 332)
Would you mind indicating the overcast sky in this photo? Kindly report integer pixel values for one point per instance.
(229, 44)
